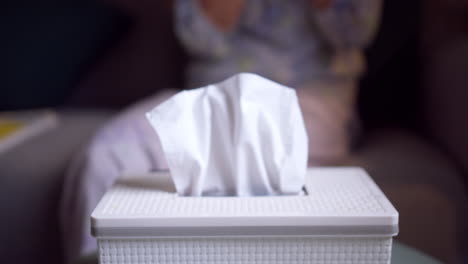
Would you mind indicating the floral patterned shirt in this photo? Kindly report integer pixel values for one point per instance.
(287, 41)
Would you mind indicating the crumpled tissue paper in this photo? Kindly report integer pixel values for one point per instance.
(244, 136)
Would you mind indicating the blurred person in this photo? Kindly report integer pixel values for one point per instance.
(314, 46)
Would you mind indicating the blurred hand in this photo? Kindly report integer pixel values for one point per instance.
(327, 110)
(224, 14)
(321, 4)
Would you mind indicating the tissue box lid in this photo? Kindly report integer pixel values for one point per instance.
(337, 202)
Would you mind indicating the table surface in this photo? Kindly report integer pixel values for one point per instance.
(403, 254)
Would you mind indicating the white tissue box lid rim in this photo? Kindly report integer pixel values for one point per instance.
(380, 218)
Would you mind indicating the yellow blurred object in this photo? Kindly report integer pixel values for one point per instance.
(9, 127)
(18, 126)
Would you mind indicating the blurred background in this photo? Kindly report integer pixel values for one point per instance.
(88, 59)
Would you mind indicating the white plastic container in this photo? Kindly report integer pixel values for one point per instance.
(343, 217)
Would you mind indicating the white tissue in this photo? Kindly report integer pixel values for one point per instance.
(244, 136)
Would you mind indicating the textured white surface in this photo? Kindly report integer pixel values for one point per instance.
(342, 197)
(345, 196)
(287, 250)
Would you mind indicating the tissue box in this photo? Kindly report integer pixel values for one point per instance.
(342, 217)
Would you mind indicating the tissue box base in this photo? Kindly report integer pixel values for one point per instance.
(343, 217)
(266, 250)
